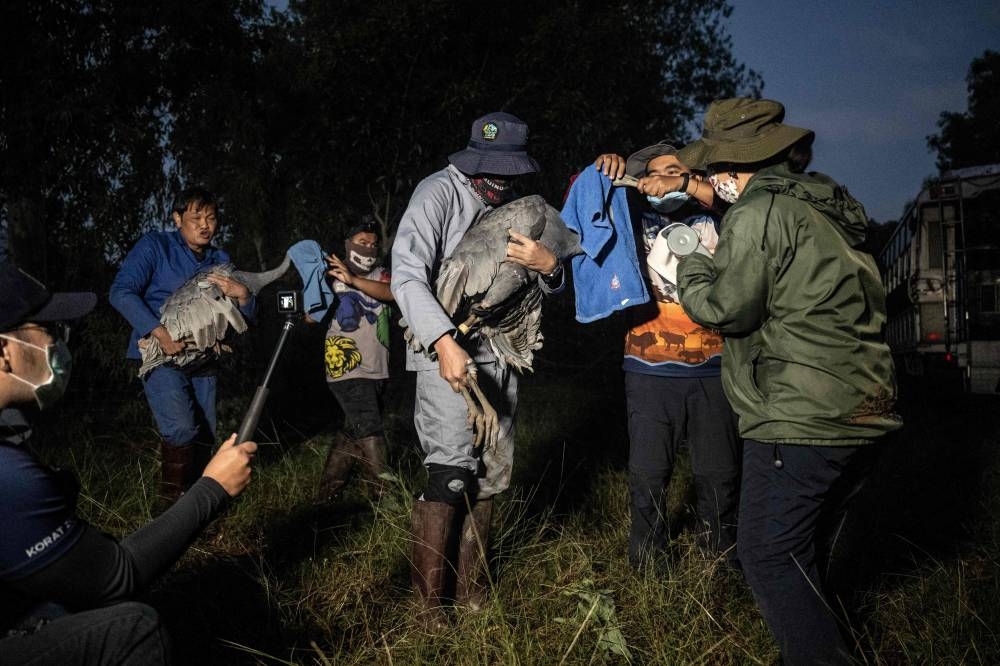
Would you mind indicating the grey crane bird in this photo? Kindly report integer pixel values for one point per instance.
(201, 316)
(501, 301)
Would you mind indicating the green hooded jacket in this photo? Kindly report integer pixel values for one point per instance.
(802, 311)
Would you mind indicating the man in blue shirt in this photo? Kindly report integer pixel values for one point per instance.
(182, 401)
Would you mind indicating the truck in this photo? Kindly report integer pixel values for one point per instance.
(941, 272)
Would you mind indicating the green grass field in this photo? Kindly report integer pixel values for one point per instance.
(284, 579)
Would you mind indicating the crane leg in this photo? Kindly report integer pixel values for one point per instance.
(482, 417)
(489, 422)
(474, 421)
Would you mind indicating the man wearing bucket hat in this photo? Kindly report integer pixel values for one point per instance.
(443, 207)
(806, 368)
(63, 584)
(673, 388)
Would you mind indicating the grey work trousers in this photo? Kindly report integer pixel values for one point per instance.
(440, 416)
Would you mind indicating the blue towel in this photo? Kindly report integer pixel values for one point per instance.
(317, 296)
(607, 277)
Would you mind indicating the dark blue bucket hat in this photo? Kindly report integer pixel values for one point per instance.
(497, 145)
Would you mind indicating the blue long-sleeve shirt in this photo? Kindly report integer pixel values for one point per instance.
(158, 264)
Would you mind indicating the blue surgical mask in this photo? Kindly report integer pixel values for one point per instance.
(669, 202)
(60, 363)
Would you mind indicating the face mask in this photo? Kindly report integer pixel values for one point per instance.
(669, 202)
(494, 191)
(361, 259)
(60, 363)
(727, 191)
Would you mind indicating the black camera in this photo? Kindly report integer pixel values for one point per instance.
(289, 303)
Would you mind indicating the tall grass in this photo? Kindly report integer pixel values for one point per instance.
(282, 578)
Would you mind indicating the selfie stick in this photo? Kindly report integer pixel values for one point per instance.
(249, 423)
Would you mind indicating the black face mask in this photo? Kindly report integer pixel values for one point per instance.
(493, 190)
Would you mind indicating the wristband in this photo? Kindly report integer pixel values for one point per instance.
(550, 277)
(686, 180)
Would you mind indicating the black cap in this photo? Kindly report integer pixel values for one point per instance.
(23, 298)
(635, 165)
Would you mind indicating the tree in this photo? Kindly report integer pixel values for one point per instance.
(80, 129)
(302, 122)
(972, 138)
(386, 91)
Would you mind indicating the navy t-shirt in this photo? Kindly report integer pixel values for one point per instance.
(37, 519)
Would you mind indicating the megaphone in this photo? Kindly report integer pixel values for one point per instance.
(674, 241)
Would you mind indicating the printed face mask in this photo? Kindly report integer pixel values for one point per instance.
(60, 364)
(493, 190)
(669, 202)
(726, 191)
(361, 259)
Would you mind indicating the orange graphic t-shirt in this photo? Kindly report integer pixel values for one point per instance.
(662, 339)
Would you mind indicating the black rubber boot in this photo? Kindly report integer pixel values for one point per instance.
(473, 579)
(372, 450)
(337, 470)
(431, 526)
(176, 463)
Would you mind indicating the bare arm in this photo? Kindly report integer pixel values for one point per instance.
(372, 288)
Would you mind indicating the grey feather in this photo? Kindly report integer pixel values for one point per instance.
(198, 314)
(477, 280)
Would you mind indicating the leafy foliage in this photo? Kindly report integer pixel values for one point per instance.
(304, 120)
(972, 138)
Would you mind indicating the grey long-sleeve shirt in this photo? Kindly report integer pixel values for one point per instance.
(441, 210)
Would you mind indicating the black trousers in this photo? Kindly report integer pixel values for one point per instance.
(662, 413)
(361, 400)
(786, 512)
(124, 634)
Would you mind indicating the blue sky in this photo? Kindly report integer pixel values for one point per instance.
(870, 78)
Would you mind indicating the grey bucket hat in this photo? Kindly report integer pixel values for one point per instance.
(741, 130)
(497, 145)
(635, 165)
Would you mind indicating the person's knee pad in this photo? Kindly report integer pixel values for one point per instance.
(449, 484)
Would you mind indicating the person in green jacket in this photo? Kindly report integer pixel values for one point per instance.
(806, 368)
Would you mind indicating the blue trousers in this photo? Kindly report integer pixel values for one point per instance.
(183, 405)
(785, 511)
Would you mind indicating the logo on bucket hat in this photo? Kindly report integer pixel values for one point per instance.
(490, 131)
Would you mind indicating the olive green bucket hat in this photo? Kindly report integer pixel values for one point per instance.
(741, 131)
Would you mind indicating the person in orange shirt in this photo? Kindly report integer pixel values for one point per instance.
(673, 385)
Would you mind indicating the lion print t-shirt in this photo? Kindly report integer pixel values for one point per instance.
(662, 340)
(357, 341)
